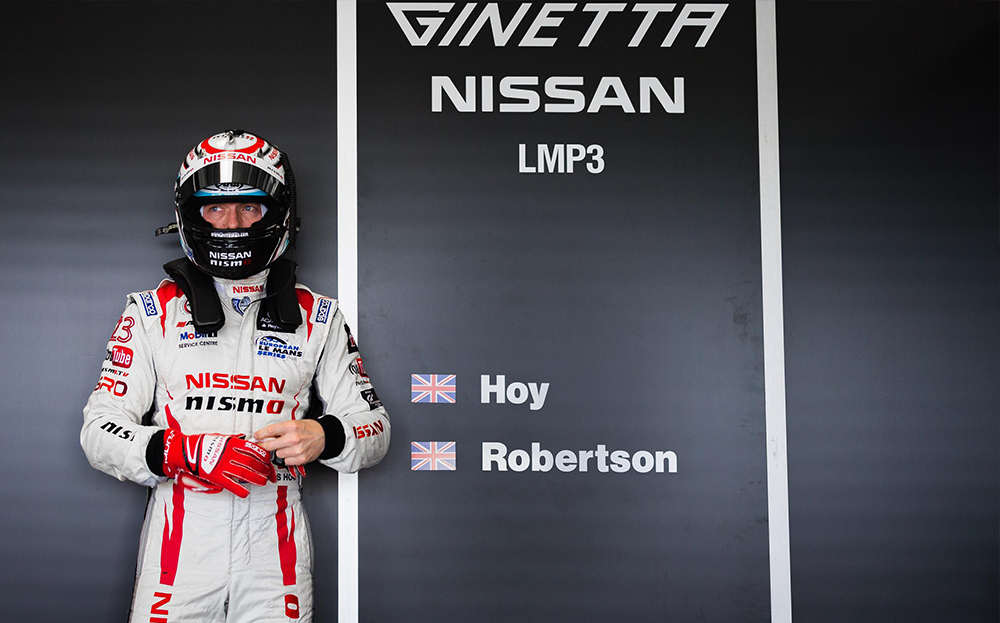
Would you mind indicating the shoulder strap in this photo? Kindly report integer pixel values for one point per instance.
(280, 304)
(206, 310)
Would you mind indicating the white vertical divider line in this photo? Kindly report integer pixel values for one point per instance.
(773, 314)
(347, 284)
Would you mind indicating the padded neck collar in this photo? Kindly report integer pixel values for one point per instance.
(280, 303)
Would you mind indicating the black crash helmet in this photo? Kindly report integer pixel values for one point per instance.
(235, 166)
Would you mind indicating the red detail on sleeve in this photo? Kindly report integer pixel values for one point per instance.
(171, 420)
(306, 302)
(286, 538)
(170, 547)
(167, 291)
(125, 324)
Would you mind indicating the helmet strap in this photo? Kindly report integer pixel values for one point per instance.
(290, 191)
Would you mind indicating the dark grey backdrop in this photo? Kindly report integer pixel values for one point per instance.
(634, 292)
(889, 167)
(889, 125)
(102, 101)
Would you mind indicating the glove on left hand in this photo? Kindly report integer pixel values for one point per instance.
(226, 461)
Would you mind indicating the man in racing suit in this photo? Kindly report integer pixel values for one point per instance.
(227, 357)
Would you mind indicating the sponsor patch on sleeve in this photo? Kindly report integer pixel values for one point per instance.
(148, 304)
(371, 398)
(323, 312)
(358, 368)
(120, 356)
(352, 346)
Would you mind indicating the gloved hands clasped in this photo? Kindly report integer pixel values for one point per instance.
(226, 461)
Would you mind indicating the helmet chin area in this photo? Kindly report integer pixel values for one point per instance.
(234, 253)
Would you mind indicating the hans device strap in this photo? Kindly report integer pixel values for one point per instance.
(280, 305)
(206, 310)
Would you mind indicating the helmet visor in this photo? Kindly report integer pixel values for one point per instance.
(231, 172)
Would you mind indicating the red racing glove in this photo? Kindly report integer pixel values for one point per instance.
(226, 461)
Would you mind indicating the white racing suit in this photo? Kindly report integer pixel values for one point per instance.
(210, 557)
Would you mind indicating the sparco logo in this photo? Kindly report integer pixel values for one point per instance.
(539, 460)
(324, 312)
(147, 303)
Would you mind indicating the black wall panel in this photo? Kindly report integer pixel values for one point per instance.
(633, 292)
(101, 103)
(889, 154)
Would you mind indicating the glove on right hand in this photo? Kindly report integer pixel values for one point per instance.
(227, 461)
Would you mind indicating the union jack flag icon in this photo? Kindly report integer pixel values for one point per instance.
(432, 456)
(432, 388)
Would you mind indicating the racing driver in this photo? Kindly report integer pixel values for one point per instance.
(218, 387)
